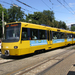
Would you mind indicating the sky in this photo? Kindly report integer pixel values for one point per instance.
(64, 10)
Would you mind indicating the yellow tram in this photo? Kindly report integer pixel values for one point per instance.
(23, 38)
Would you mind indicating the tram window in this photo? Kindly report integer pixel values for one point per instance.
(74, 35)
(24, 34)
(42, 34)
(54, 35)
(34, 34)
(69, 36)
(65, 35)
(58, 35)
(62, 35)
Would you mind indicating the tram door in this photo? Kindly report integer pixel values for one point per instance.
(49, 34)
(65, 38)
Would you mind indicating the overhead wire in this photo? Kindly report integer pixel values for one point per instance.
(65, 6)
(51, 8)
(51, 2)
(43, 2)
(69, 6)
(46, 4)
(26, 4)
(15, 4)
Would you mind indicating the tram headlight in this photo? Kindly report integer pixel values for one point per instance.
(15, 47)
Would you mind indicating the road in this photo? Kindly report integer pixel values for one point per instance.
(65, 67)
(59, 61)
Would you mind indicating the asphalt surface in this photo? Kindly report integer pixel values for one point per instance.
(65, 67)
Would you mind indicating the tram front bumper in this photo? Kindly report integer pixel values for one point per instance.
(6, 52)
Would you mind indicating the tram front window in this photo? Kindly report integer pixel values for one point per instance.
(12, 33)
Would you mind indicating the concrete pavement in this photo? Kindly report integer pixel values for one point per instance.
(65, 67)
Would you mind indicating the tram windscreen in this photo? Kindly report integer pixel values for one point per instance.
(12, 32)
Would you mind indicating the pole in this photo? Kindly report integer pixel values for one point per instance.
(3, 24)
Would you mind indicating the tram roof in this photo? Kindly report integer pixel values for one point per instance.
(44, 27)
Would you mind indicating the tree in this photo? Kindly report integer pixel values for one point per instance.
(49, 14)
(5, 14)
(5, 17)
(34, 17)
(46, 17)
(15, 14)
(62, 25)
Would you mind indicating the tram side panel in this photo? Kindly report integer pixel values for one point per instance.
(32, 40)
(56, 38)
(69, 39)
(34, 37)
(73, 37)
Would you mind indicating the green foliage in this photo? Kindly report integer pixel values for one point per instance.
(62, 25)
(5, 17)
(1, 9)
(56, 24)
(73, 28)
(49, 14)
(0, 31)
(5, 14)
(46, 17)
(15, 14)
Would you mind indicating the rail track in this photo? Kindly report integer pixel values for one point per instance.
(4, 59)
(41, 66)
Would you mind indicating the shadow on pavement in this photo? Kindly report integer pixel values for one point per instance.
(71, 73)
(16, 57)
